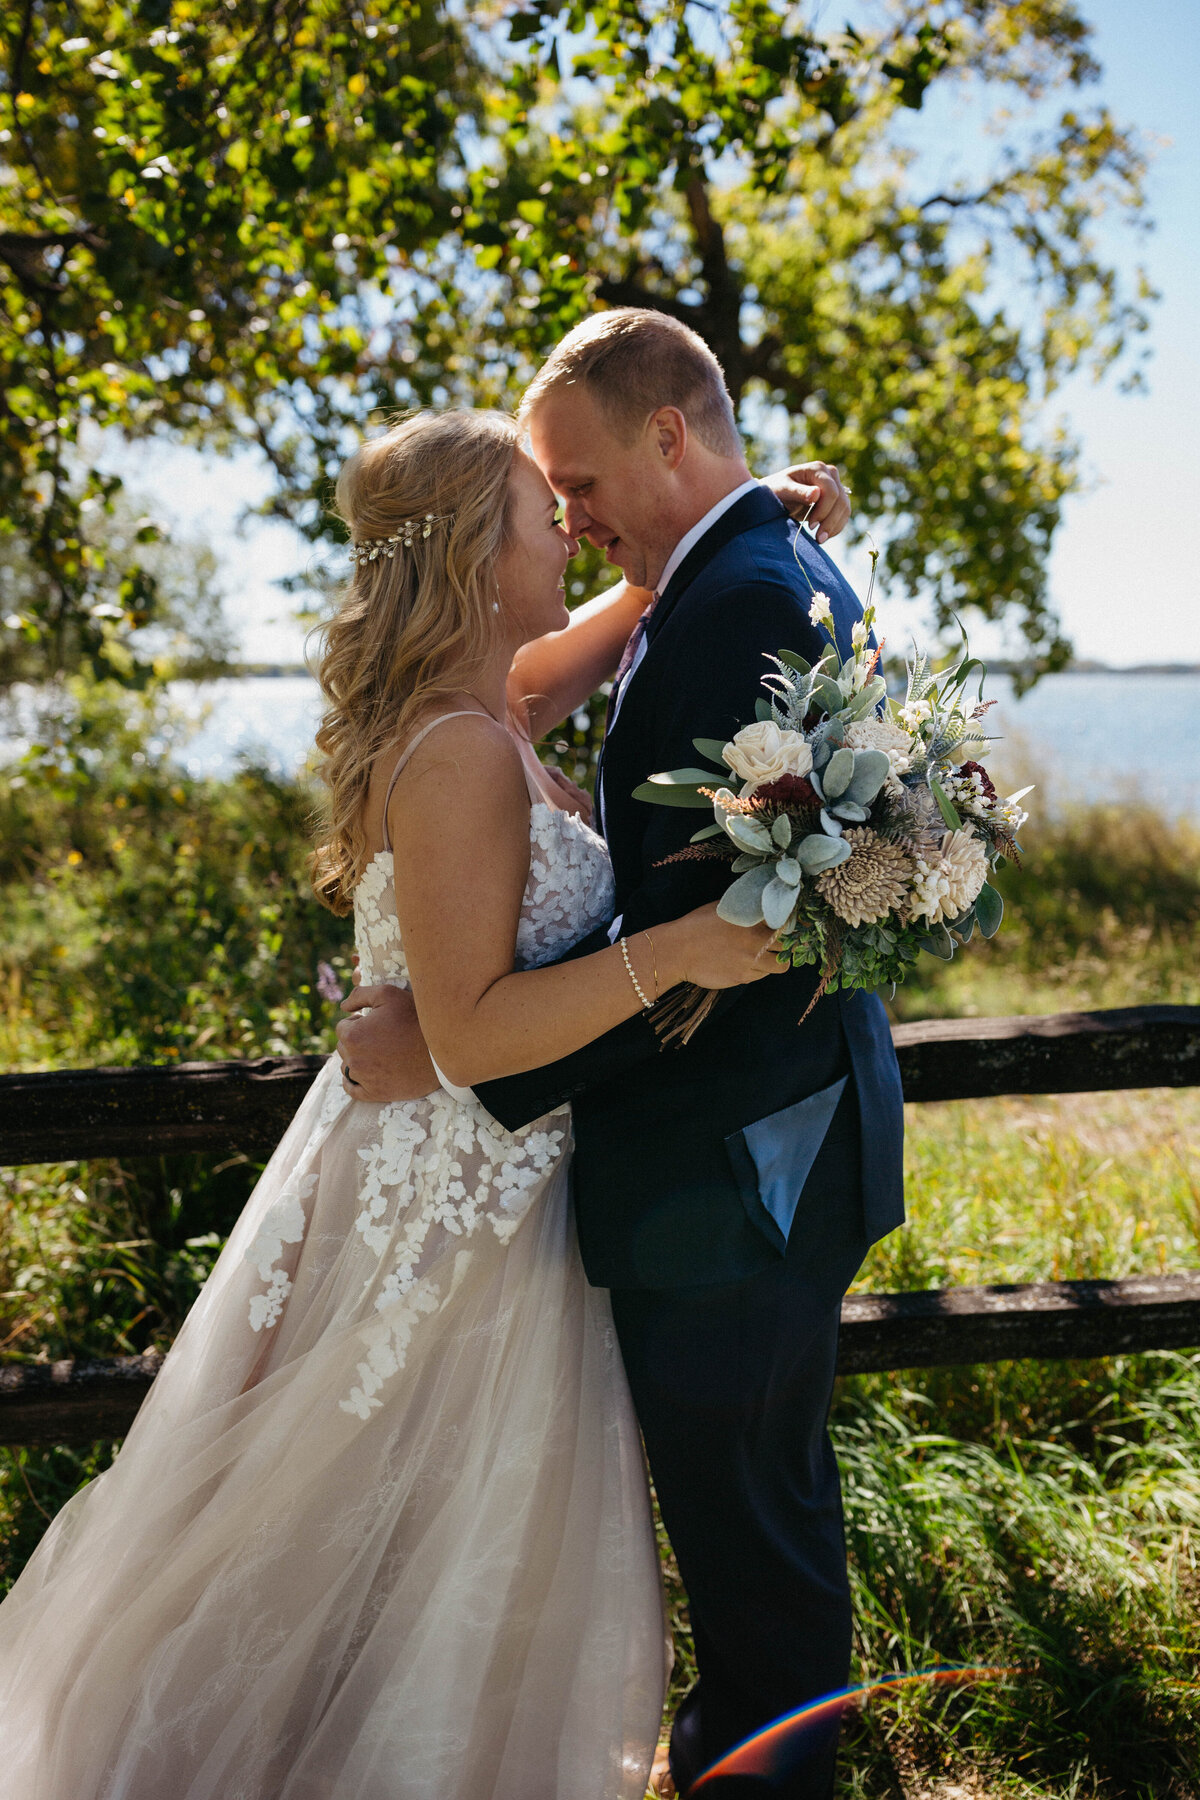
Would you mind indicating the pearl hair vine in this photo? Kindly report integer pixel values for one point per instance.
(367, 549)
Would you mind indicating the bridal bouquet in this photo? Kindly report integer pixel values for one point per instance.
(861, 830)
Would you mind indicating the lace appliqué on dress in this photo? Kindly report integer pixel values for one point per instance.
(438, 1169)
(284, 1224)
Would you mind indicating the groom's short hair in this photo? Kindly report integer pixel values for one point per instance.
(632, 361)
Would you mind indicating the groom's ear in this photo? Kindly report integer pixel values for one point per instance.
(668, 433)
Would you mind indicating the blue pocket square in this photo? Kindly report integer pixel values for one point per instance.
(772, 1158)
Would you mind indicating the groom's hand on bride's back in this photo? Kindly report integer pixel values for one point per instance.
(381, 1046)
(815, 494)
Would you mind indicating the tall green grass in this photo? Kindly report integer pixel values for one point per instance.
(1038, 1515)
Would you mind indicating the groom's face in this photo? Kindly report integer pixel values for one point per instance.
(616, 494)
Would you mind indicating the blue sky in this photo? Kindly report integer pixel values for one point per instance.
(1124, 572)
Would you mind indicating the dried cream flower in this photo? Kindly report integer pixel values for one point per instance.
(763, 752)
(871, 884)
(821, 610)
(946, 888)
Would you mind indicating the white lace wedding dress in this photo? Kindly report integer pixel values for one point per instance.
(380, 1530)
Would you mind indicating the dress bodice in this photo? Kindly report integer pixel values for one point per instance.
(569, 892)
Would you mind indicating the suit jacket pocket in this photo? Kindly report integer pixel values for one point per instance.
(772, 1158)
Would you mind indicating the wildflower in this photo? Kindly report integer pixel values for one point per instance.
(859, 635)
(327, 984)
(821, 610)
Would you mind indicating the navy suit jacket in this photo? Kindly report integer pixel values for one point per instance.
(690, 1161)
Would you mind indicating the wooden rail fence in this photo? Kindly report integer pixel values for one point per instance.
(244, 1106)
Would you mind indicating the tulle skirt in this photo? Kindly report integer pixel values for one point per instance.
(381, 1529)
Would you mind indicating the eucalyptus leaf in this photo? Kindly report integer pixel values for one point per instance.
(713, 748)
(850, 811)
(762, 712)
(828, 694)
(829, 824)
(795, 662)
(741, 903)
(708, 831)
(871, 770)
(939, 943)
(663, 794)
(682, 778)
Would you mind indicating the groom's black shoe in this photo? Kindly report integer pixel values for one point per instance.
(807, 1775)
(687, 1751)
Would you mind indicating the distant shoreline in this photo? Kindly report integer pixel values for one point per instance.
(266, 670)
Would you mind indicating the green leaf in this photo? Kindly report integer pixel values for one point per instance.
(682, 777)
(938, 942)
(708, 831)
(946, 806)
(989, 910)
(762, 711)
(713, 748)
(741, 903)
(661, 794)
(795, 662)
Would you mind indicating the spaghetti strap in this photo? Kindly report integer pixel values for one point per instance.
(466, 712)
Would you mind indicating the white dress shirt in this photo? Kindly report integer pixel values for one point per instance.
(687, 542)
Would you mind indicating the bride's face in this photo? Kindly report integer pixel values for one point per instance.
(531, 569)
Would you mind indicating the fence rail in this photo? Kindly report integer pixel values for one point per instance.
(244, 1106)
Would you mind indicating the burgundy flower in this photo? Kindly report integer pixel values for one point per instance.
(789, 791)
(974, 768)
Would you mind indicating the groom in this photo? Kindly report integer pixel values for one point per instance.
(726, 1191)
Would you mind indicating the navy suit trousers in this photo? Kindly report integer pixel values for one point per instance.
(732, 1385)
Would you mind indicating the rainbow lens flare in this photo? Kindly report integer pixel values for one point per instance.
(769, 1754)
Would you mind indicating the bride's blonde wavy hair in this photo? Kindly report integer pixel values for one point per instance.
(412, 627)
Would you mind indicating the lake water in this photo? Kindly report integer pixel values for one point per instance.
(1084, 736)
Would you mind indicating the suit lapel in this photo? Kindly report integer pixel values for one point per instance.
(758, 508)
(755, 509)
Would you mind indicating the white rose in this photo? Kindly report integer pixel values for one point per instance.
(761, 753)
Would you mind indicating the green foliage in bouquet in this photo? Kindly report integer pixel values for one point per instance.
(864, 830)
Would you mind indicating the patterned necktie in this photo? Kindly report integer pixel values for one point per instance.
(636, 639)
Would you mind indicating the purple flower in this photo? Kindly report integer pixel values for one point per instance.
(328, 985)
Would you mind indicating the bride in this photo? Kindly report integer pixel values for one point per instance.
(381, 1531)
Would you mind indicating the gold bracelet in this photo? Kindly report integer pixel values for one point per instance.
(637, 986)
(654, 962)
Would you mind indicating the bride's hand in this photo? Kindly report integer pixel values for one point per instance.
(714, 954)
(575, 799)
(815, 494)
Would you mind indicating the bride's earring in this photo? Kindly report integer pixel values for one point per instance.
(495, 606)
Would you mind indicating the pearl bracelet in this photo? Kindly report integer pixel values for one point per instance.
(637, 986)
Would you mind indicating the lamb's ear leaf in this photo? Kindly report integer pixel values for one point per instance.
(938, 942)
(989, 910)
(741, 903)
(713, 748)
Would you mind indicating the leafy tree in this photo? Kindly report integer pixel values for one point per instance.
(269, 219)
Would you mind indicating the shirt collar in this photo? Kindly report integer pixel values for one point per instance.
(698, 530)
